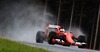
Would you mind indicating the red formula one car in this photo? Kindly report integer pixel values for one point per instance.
(55, 34)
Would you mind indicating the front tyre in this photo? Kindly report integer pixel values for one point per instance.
(82, 46)
(82, 39)
(40, 37)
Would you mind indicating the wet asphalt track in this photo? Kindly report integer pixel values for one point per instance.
(59, 48)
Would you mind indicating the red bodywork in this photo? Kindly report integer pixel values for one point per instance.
(68, 38)
(68, 35)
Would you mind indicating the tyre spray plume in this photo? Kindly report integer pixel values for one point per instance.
(21, 19)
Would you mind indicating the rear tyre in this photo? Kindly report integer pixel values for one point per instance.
(51, 36)
(40, 37)
(81, 39)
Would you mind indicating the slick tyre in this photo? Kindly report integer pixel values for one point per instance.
(40, 37)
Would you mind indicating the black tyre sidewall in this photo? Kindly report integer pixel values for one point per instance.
(81, 38)
(82, 46)
(51, 35)
(40, 37)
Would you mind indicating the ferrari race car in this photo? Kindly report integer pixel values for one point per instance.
(55, 34)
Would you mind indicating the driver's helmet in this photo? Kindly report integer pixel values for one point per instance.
(62, 30)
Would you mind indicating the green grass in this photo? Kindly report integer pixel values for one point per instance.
(12, 46)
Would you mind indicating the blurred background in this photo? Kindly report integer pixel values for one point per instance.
(21, 19)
